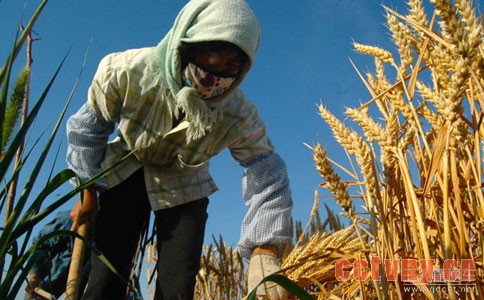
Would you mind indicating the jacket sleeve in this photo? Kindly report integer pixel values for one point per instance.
(265, 185)
(267, 193)
(87, 136)
(88, 130)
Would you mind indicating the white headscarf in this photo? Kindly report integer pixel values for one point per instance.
(201, 21)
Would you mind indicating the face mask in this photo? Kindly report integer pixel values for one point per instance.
(206, 84)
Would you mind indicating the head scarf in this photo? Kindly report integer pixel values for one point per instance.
(202, 21)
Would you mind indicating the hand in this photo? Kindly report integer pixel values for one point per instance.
(34, 281)
(262, 264)
(85, 212)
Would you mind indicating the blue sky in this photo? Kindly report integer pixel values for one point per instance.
(303, 60)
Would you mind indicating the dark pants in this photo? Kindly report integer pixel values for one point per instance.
(123, 212)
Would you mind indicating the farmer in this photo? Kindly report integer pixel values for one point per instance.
(176, 106)
(52, 258)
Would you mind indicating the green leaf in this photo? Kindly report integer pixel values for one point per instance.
(286, 283)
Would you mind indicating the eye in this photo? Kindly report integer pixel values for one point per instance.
(213, 60)
(235, 63)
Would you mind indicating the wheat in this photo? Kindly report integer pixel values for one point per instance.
(312, 260)
(355, 145)
(364, 158)
(452, 30)
(441, 61)
(417, 12)
(340, 131)
(403, 38)
(473, 31)
(428, 208)
(423, 198)
(381, 76)
(333, 181)
(222, 274)
(431, 117)
(372, 130)
(382, 54)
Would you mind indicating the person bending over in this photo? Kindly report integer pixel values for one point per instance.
(176, 105)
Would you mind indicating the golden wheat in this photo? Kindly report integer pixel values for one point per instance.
(432, 200)
(403, 38)
(333, 181)
(423, 197)
(382, 54)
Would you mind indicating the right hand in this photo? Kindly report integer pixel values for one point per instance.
(85, 212)
(260, 266)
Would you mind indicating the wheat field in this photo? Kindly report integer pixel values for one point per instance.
(416, 155)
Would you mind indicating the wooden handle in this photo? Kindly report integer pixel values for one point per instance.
(75, 269)
(44, 294)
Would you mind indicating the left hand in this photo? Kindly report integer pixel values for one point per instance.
(262, 264)
(34, 281)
